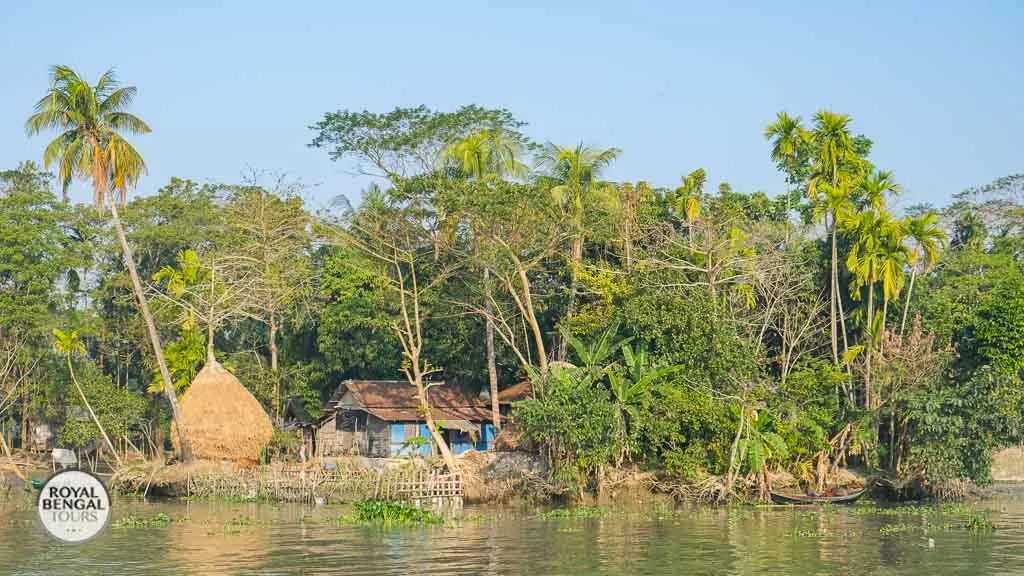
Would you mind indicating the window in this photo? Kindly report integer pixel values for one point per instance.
(350, 420)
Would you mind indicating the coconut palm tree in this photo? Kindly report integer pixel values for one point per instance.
(487, 153)
(90, 146)
(928, 239)
(482, 155)
(575, 175)
(788, 137)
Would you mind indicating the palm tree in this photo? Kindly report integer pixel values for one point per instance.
(836, 206)
(831, 136)
(928, 239)
(878, 255)
(689, 197)
(875, 187)
(482, 155)
(487, 153)
(575, 174)
(90, 146)
(787, 136)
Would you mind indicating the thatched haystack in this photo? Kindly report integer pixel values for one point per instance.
(223, 420)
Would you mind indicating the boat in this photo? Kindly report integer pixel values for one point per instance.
(779, 498)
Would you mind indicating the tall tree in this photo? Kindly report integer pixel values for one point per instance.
(271, 238)
(482, 155)
(788, 137)
(90, 146)
(831, 136)
(576, 185)
(877, 256)
(928, 239)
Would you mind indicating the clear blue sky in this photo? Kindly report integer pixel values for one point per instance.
(231, 84)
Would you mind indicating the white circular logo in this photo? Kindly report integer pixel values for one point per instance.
(74, 506)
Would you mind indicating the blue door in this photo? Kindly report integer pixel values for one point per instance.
(486, 437)
(397, 439)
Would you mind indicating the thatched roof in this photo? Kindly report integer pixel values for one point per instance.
(223, 420)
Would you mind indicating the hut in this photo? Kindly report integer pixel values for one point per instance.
(223, 420)
(382, 418)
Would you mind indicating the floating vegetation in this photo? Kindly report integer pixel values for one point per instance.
(157, 520)
(578, 512)
(979, 523)
(389, 513)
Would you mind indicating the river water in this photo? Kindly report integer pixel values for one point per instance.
(218, 538)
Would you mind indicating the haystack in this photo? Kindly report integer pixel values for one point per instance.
(223, 420)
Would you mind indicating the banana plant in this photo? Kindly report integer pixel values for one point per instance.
(596, 355)
(759, 447)
(628, 386)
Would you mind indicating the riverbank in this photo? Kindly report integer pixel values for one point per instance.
(482, 478)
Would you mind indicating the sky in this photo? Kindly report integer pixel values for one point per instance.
(232, 86)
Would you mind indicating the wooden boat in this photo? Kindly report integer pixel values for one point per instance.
(804, 499)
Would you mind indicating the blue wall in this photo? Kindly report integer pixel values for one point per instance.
(460, 441)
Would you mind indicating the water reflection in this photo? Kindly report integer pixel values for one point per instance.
(264, 539)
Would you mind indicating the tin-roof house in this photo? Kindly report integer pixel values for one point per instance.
(382, 418)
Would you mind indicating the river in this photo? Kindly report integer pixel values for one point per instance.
(221, 538)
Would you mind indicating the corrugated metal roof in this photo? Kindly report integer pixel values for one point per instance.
(397, 400)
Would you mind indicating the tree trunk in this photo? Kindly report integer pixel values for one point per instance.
(885, 314)
(428, 416)
(871, 346)
(576, 258)
(154, 336)
(833, 287)
(788, 185)
(906, 305)
(273, 366)
(730, 477)
(531, 318)
(92, 414)
(25, 436)
(492, 368)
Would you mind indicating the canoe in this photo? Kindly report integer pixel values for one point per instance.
(802, 499)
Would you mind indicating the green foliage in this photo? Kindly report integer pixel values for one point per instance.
(682, 327)
(575, 424)
(158, 520)
(34, 254)
(808, 407)
(678, 305)
(997, 337)
(393, 513)
(119, 411)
